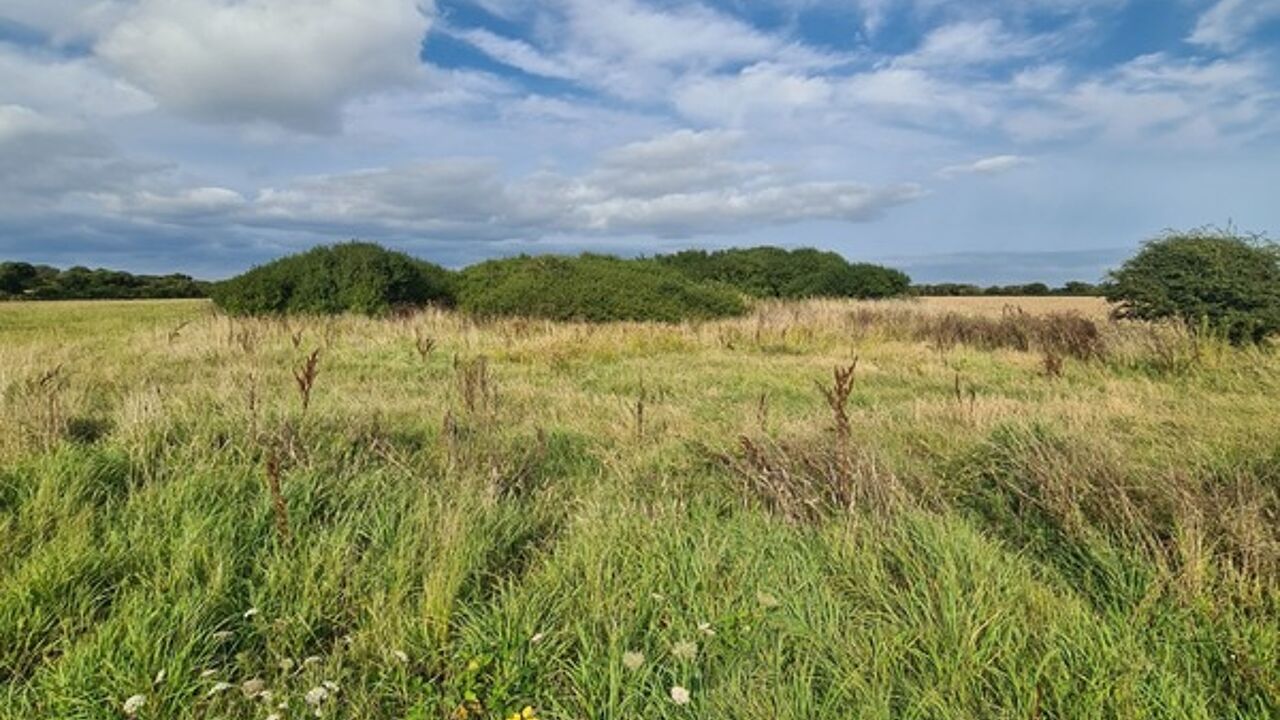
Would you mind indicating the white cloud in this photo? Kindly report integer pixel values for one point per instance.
(635, 50)
(293, 63)
(64, 20)
(678, 184)
(1227, 24)
(1153, 99)
(986, 166)
(75, 87)
(45, 160)
(763, 89)
(969, 43)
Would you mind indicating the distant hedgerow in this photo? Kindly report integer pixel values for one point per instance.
(595, 288)
(771, 272)
(349, 277)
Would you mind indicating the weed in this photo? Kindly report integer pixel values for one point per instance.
(305, 377)
(278, 505)
(837, 397)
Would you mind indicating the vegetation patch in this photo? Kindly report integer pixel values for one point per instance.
(352, 277)
(1210, 279)
(594, 288)
(24, 281)
(771, 272)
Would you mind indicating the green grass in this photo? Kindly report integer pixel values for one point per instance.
(1102, 544)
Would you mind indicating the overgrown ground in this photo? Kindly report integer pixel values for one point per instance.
(1019, 520)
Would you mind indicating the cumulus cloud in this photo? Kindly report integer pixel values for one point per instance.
(74, 87)
(292, 63)
(986, 166)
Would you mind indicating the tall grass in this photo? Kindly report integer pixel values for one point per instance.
(579, 518)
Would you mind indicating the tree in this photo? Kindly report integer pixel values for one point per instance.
(771, 272)
(1211, 279)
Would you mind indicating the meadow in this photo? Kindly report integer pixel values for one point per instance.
(946, 508)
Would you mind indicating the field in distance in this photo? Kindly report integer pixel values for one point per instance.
(932, 508)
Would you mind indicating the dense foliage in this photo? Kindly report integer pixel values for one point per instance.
(1209, 279)
(592, 288)
(1075, 288)
(350, 277)
(24, 281)
(772, 272)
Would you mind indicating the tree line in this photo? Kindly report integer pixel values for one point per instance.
(25, 281)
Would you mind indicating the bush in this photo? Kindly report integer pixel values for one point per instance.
(772, 272)
(1209, 279)
(350, 277)
(594, 288)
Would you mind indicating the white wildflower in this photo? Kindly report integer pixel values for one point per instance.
(537, 638)
(705, 629)
(632, 660)
(400, 656)
(253, 687)
(331, 686)
(679, 695)
(220, 687)
(316, 695)
(685, 650)
(134, 704)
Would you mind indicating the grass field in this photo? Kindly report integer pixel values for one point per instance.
(1006, 516)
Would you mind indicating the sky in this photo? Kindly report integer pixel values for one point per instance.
(986, 141)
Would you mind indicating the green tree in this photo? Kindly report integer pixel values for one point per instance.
(771, 272)
(1209, 279)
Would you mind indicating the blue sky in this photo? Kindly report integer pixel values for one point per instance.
(987, 140)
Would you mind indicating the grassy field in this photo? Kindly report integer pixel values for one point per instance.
(1000, 514)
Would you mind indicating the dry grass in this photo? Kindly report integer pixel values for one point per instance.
(1091, 307)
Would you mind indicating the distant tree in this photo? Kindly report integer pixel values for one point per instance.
(1210, 278)
(16, 277)
(1079, 289)
(41, 282)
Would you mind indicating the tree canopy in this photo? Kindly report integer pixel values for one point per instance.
(772, 272)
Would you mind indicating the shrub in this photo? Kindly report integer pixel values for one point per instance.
(776, 273)
(594, 288)
(1208, 279)
(349, 277)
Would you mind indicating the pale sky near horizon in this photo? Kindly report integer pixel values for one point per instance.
(987, 141)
